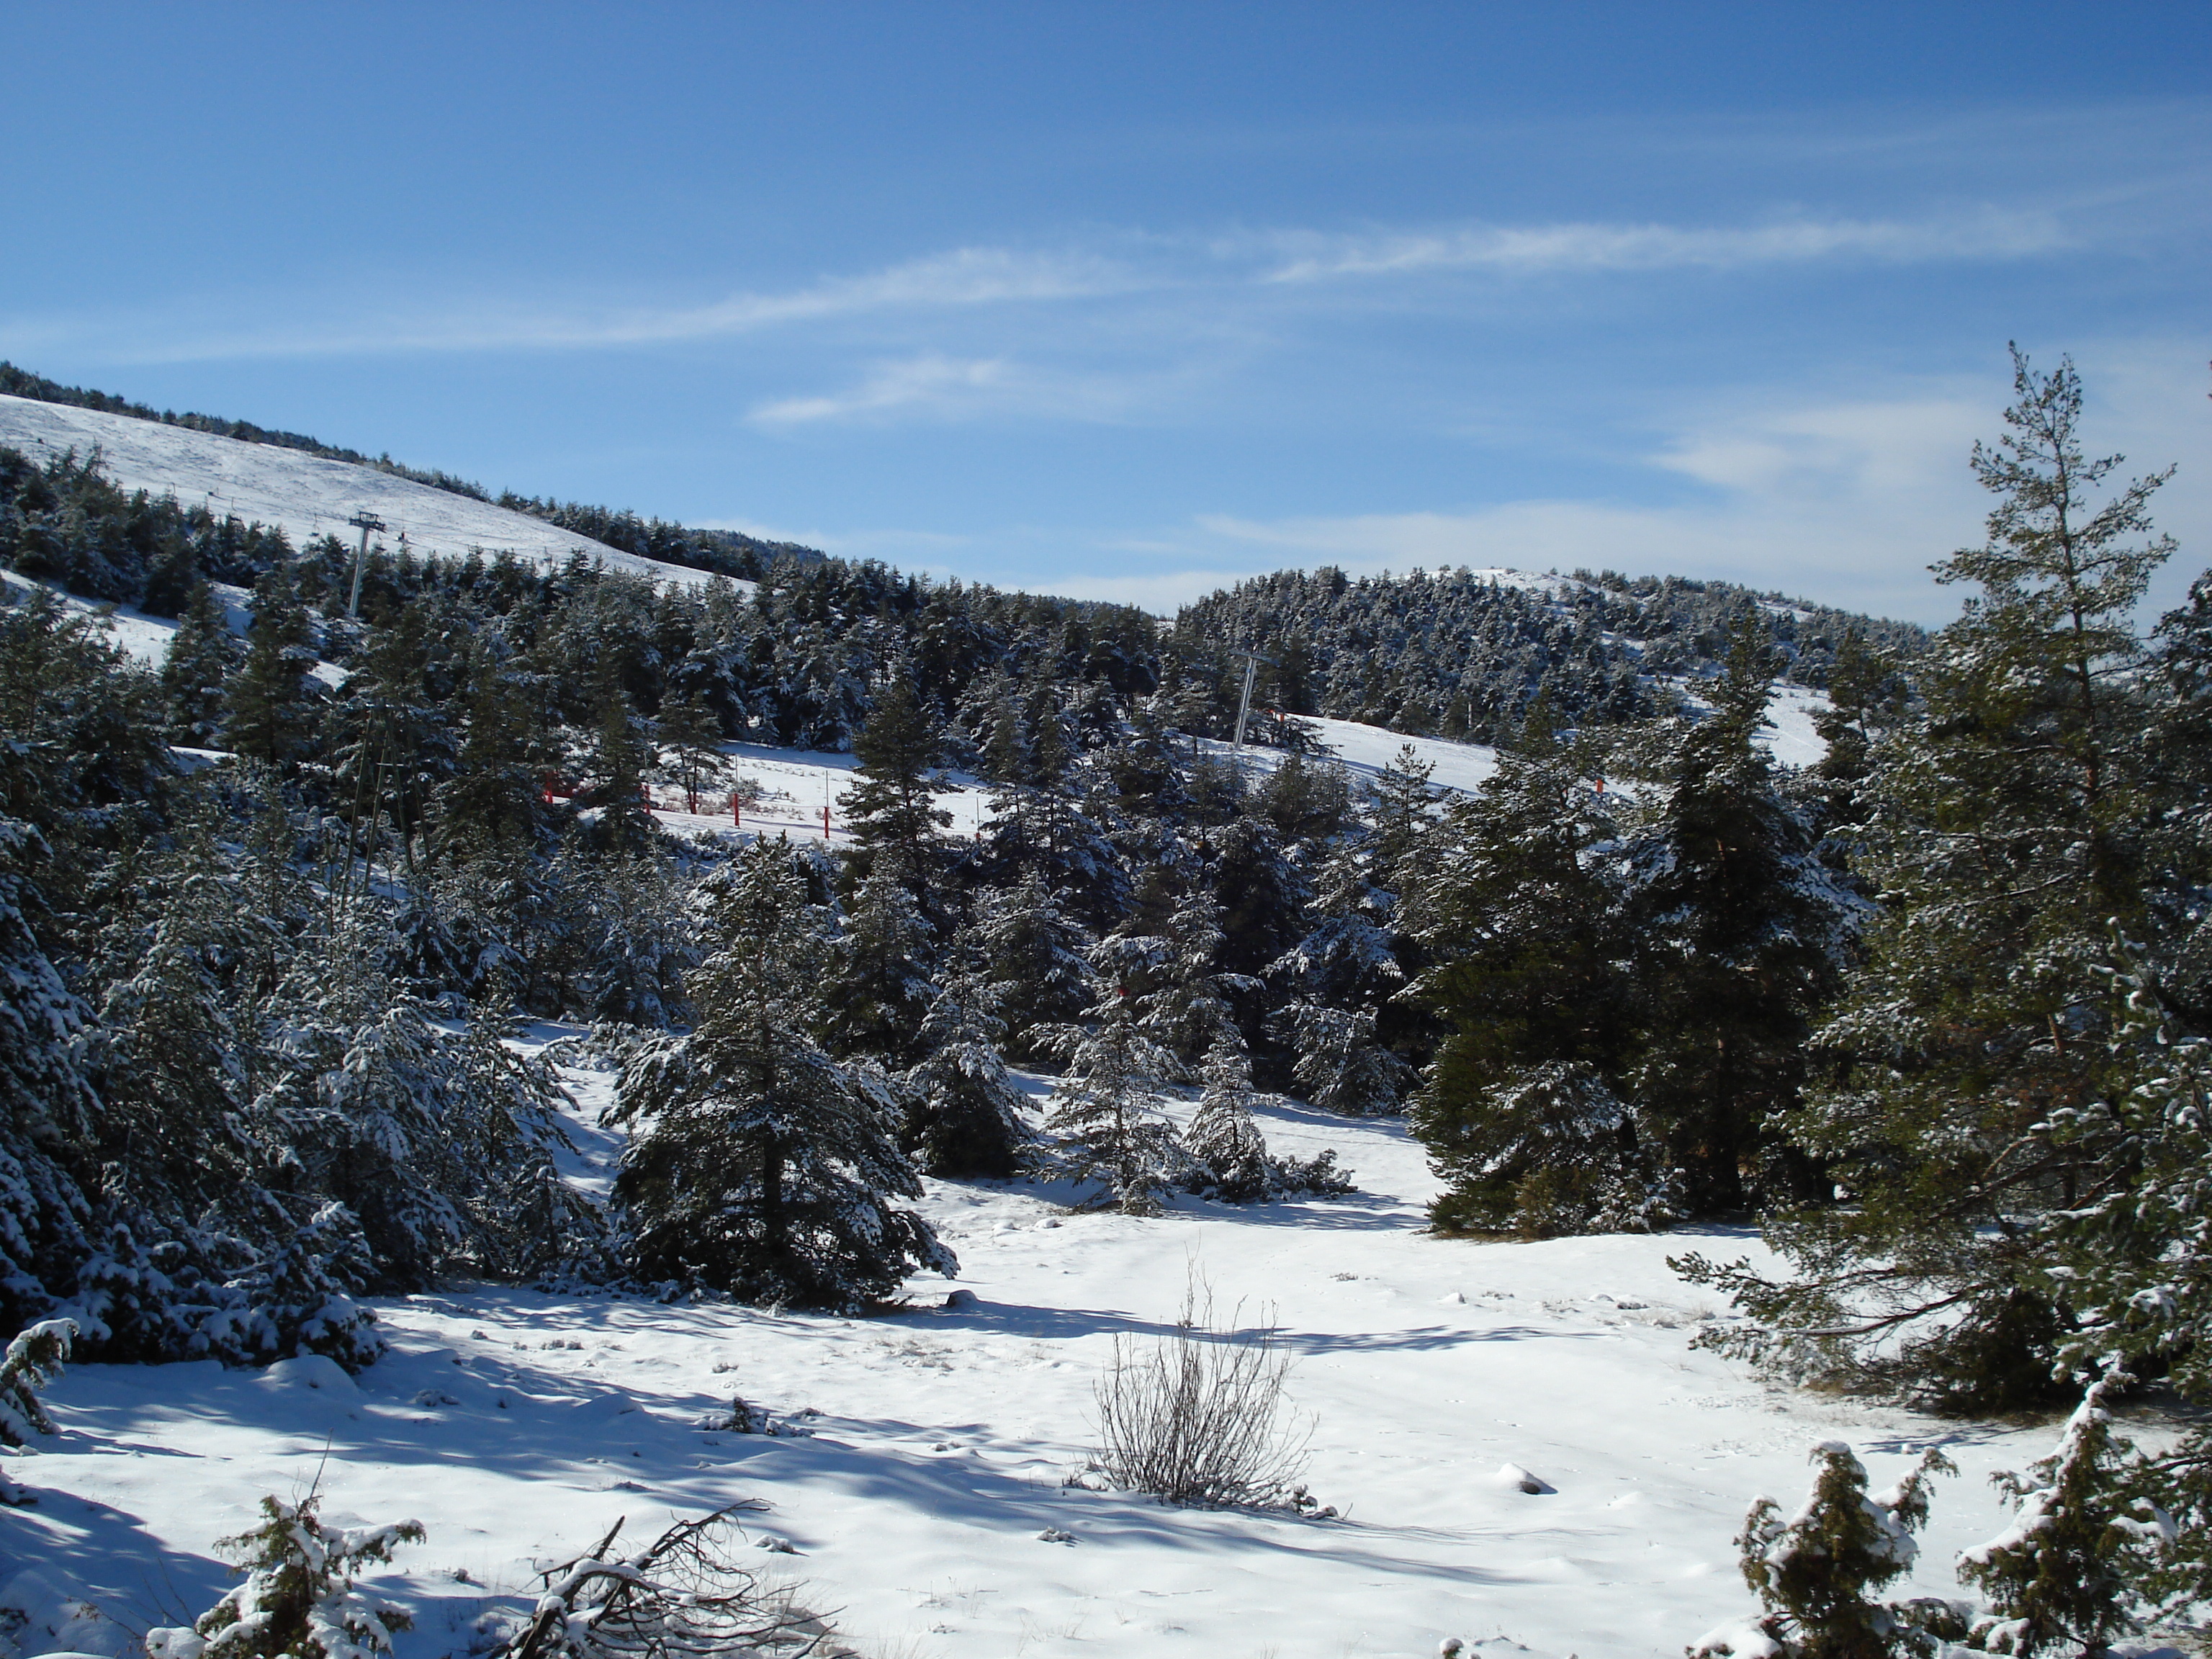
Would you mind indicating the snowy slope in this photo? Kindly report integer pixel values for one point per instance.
(306, 495)
(1364, 750)
(517, 1425)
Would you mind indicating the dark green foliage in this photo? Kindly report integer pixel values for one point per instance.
(1738, 935)
(879, 989)
(2006, 832)
(965, 1112)
(893, 809)
(1459, 653)
(273, 695)
(2063, 1574)
(201, 655)
(298, 1598)
(758, 1165)
(1816, 1572)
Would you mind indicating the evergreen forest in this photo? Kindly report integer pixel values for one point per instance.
(1935, 1014)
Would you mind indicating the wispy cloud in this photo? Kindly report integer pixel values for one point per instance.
(1596, 247)
(1221, 273)
(968, 278)
(936, 387)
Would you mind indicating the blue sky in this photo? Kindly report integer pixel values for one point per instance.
(1129, 300)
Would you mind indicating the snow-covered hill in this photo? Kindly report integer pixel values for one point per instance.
(306, 495)
(517, 1425)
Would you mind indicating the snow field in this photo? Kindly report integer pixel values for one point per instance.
(517, 1425)
(307, 495)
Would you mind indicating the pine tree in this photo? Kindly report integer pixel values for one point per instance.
(2006, 837)
(893, 809)
(1815, 1572)
(758, 1165)
(1740, 934)
(1105, 1109)
(1403, 796)
(199, 658)
(690, 732)
(46, 1121)
(491, 803)
(1339, 1065)
(967, 1116)
(879, 988)
(1035, 955)
(298, 1600)
(621, 759)
(1182, 995)
(2068, 1569)
(272, 696)
(1522, 919)
(1223, 1141)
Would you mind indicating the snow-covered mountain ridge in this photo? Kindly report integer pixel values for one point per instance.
(307, 495)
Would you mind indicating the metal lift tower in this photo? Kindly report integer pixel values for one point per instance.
(363, 522)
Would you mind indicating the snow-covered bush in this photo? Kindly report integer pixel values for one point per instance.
(682, 1597)
(2065, 1571)
(1340, 1065)
(1196, 1416)
(298, 1600)
(1222, 1139)
(34, 1361)
(1816, 1572)
(1566, 1155)
(1229, 1156)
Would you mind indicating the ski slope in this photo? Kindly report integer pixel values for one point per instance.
(518, 1426)
(306, 495)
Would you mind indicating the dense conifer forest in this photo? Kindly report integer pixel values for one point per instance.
(1932, 1013)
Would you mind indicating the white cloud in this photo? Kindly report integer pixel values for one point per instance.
(935, 387)
(1598, 248)
(961, 279)
(993, 280)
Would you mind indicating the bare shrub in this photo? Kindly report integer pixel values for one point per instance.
(1195, 1417)
(684, 1598)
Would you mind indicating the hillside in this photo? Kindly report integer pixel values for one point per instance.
(307, 495)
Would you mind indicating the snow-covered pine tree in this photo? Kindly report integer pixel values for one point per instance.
(1521, 915)
(1182, 993)
(2068, 1571)
(1567, 1155)
(1222, 1139)
(892, 809)
(1337, 1063)
(199, 658)
(1816, 1572)
(1035, 955)
(690, 731)
(966, 1113)
(46, 1103)
(2133, 1259)
(624, 756)
(2006, 833)
(757, 1164)
(1105, 1109)
(271, 697)
(1738, 932)
(1350, 958)
(298, 1600)
(880, 987)
(33, 1361)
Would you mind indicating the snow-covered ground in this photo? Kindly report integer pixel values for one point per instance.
(1364, 750)
(307, 494)
(518, 1426)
